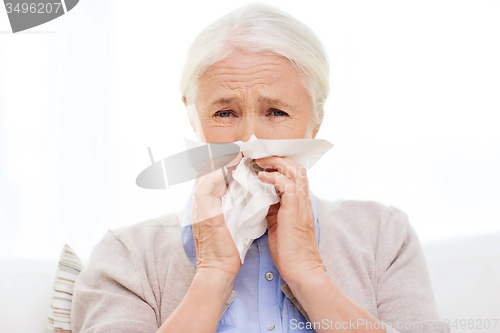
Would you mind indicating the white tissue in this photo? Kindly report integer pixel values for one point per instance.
(247, 200)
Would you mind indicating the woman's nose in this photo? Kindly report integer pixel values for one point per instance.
(247, 127)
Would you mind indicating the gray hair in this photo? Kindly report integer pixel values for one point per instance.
(262, 29)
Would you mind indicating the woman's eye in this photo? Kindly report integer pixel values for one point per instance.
(278, 113)
(223, 113)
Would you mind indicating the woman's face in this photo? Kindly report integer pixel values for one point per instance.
(259, 94)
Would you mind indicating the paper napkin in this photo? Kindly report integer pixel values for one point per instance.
(247, 200)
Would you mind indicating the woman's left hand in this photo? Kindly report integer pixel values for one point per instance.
(291, 225)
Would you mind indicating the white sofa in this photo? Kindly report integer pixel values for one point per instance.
(465, 275)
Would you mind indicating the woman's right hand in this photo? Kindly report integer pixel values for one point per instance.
(215, 248)
(218, 260)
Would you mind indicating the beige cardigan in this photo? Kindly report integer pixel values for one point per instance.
(137, 275)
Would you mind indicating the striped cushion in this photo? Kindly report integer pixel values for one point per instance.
(60, 307)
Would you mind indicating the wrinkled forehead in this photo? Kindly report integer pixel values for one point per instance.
(254, 63)
(252, 73)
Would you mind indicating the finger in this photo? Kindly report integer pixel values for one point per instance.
(273, 210)
(291, 168)
(236, 161)
(284, 165)
(288, 188)
(214, 183)
(208, 212)
(196, 246)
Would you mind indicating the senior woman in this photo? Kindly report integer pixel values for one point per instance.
(321, 266)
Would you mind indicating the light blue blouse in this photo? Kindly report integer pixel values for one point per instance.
(260, 304)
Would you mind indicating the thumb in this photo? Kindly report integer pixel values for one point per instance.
(272, 215)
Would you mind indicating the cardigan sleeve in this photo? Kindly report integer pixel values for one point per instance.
(405, 299)
(108, 294)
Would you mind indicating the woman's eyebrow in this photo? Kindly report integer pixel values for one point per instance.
(274, 101)
(264, 99)
(223, 101)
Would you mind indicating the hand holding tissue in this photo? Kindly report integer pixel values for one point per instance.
(247, 200)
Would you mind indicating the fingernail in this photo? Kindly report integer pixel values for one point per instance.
(255, 166)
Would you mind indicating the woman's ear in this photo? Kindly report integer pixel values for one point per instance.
(317, 125)
(315, 131)
(184, 100)
(194, 119)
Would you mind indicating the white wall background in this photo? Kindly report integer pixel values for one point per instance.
(414, 114)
